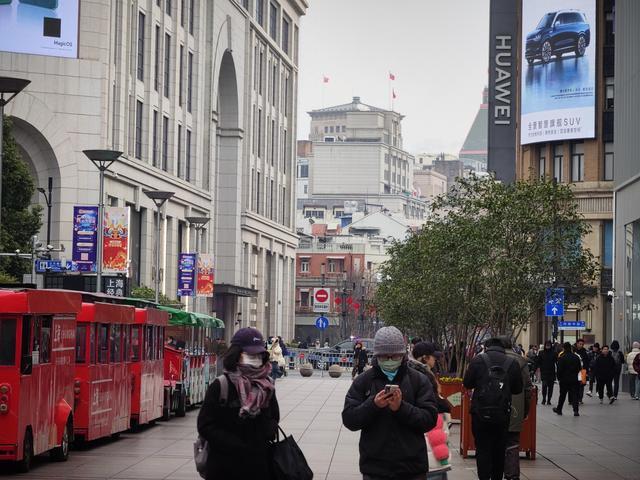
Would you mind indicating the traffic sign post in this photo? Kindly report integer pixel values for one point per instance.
(554, 302)
(572, 325)
(321, 297)
(322, 323)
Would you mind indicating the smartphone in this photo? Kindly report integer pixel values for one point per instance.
(390, 389)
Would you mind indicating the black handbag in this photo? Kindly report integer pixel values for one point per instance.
(287, 460)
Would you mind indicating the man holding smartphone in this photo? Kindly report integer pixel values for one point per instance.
(393, 406)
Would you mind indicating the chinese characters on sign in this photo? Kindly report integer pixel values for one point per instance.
(186, 274)
(115, 286)
(85, 238)
(205, 275)
(115, 254)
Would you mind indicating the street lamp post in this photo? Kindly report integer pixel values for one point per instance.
(102, 159)
(48, 199)
(9, 87)
(198, 224)
(159, 198)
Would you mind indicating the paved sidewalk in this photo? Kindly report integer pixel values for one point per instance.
(603, 443)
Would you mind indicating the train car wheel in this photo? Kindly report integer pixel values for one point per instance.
(61, 453)
(181, 410)
(24, 465)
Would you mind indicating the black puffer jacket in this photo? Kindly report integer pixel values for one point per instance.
(546, 362)
(238, 448)
(569, 365)
(392, 444)
(605, 367)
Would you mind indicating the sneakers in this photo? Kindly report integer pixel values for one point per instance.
(576, 414)
(601, 401)
(612, 399)
(589, 394)
(557, 411)
(543, 402)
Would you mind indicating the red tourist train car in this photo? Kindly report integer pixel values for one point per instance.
(102, 381)
(37, 344)
(147, 365)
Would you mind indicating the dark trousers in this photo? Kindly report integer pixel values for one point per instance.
(616, 384)
(602, 383)
(512, 457)
(592, 379)
(547, 389)
(572, 389)
(411, 477)
(491, 443)
(580, 391)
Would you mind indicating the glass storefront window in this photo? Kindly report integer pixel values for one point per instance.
(632, 281)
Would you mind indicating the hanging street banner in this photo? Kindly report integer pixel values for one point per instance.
(85, 238)
(186, 274)
(205, 274)
(115, 238)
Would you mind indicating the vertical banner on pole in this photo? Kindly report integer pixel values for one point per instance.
(205, 275)
(115, 236)
(85, 238)
(186, 274)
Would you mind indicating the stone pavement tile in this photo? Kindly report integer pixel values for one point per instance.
(153, 468)
(185, 472)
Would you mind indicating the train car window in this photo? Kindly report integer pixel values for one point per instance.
(160, 343)
(81, 344)
(103, 343)
(92, 343)
(126, 343)
(8, 341)
(45, 340)
(26, 356)
(148, 343)
(135, 343)
(116, 343)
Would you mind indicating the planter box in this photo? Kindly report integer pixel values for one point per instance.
(527, 435)
(453, 393)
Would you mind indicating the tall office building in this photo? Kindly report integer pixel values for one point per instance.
(201, 98)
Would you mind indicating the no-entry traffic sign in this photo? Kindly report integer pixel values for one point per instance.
(321, 298)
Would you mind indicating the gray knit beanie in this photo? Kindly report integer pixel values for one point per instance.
(389, 341)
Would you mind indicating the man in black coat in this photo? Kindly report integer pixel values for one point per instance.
(491, 438)
(605, 368)
(393, 423)
(569, 366)
(546, 362)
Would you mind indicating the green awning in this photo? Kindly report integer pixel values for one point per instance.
(208, 321)
(179, 317)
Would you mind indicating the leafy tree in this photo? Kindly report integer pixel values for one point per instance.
(483, 260)
(147, 293)
(20, 219)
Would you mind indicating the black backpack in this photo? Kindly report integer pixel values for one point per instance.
(492, 401)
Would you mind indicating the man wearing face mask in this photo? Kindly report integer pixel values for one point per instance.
(392, 405)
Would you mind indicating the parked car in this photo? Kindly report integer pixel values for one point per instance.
(348, 346)
(557, 33)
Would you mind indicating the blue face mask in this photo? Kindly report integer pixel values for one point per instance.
(390, 367)
(390, 375)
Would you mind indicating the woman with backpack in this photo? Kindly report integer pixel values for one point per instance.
(619, 360)
(240, 413)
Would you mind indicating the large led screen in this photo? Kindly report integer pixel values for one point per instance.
(558, 70)
(40, 27)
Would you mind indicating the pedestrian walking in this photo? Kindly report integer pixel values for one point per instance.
(240, 412)
(360, 359)
(532, 356)
(520, 404)
(276, 358)
(569, 366)
(393, 406)
(633, 373)
(605, 368)
(546, 362)
(424, 357)
(619, 360)
(584, 357)
(593, 356)
(494, 378)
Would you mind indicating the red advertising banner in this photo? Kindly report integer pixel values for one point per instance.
(205, 275)
(115, 240)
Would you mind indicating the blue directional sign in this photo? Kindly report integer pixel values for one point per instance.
(55, 266)
(572, 325)
(554, 302)
(322, 323)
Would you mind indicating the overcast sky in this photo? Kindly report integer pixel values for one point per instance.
(438, 51)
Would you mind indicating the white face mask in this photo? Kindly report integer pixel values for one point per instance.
(251, 360)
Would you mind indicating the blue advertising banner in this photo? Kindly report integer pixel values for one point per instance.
(186, 275)
(85, 238)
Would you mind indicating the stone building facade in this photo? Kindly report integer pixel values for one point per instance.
(201, 98)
